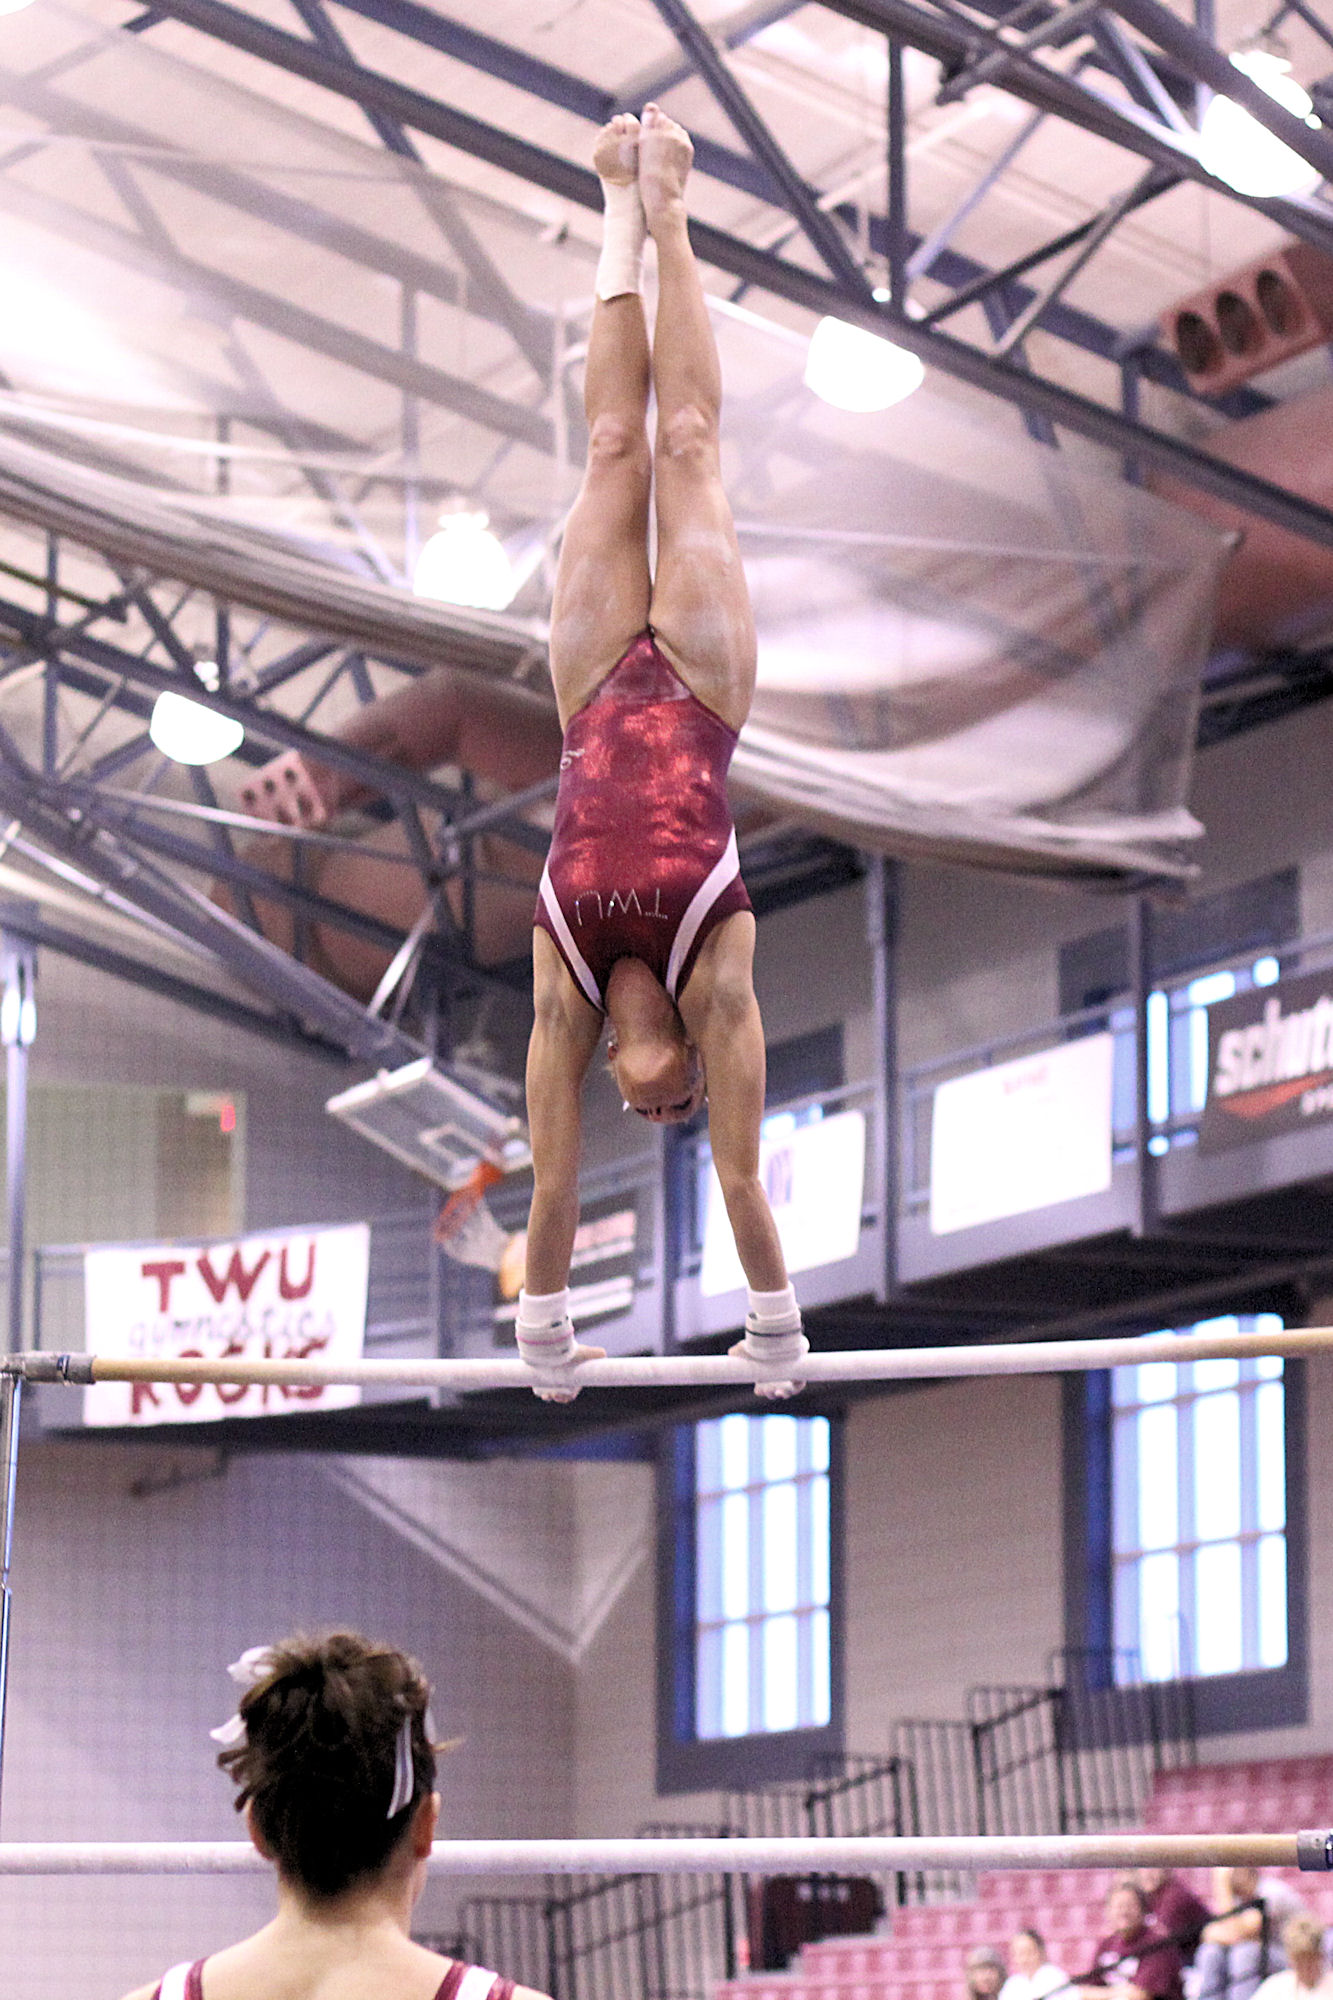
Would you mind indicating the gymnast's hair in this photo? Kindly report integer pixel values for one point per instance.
(317, 1763)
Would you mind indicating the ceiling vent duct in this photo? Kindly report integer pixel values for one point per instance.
(1266, 312)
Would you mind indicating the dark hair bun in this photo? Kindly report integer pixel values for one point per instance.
(320, 1752)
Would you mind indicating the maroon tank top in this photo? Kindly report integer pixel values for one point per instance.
(643, 860)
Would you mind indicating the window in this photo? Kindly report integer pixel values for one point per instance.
(1185, 1515)
(748, 1650)
(1199, 1486)
(762, 1584)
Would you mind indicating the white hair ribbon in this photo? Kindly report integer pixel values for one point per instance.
(254, 1666)
(404, 1770)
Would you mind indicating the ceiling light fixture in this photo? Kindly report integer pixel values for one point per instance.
(1242, 152)
(464, 562)
(856, 370)
(189, 733)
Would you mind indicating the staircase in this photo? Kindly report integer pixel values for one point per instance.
(922, 1957)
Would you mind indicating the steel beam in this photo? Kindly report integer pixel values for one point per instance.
(387, 780)
(236, 298)
(953, 45)
(1202, 59)
(822, 233)
(136, 884)
(576, 95)
(732, 32)
(760, 268)
(242, 877)
(38, 930)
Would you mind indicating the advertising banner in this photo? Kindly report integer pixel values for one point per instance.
(1021, 1135)
(290, 1296)
(602, 1269)
(1270, 1062)
(814, 1176)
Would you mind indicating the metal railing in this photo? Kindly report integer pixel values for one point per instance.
(1078, 1754)
(939, 1762)
(617, 1937)
(1178, 1053)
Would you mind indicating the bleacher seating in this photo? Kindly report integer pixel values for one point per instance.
(921, 1958)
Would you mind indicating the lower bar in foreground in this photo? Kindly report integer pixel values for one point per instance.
(865, 1855)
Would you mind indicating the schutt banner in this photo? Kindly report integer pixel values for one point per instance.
(1270, 1062)
(288, 1296)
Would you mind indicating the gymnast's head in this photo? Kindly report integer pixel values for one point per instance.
(660, 1078)
(331, 1755)
(657, 1069)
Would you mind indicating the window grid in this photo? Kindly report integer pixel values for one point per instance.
(763, 1575)
(1199, 1512)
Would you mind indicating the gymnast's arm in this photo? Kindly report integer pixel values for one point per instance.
(722, 1019)
(565, 1034)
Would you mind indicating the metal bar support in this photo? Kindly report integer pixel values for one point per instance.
(18, 962)
(1140, 959)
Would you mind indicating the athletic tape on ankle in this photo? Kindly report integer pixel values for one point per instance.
(624, 230)
(544, 1329)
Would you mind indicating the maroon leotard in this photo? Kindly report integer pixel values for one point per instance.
(643, 860)
(460, 1982)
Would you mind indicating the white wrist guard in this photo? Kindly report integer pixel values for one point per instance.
(773, 1333)
(773, 1339)
(620, 266)
(544, 1329)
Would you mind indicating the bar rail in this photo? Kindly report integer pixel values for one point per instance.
(1309, 1850)
(658, 1371)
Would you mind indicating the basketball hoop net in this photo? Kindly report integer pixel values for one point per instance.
(465, 1228)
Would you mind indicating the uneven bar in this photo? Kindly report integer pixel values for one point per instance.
(860, 1854)
(675, 1371)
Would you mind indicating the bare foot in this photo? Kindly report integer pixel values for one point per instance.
(665, 154)
(615, 156)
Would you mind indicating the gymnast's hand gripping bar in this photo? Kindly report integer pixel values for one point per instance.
(673, 1371)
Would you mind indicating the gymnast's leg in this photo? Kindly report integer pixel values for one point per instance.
(600, 606)
(700, 602)
(701, 614)
(602, 582)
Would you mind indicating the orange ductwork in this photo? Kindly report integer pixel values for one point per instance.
(1277, 589)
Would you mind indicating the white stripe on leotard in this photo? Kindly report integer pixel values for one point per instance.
(173, 1985)
(475, 1984)
(573, 956)
(719, 877)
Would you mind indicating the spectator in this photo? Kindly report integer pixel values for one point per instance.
(984, 1970)
(1135, 1960)
(1175, 1909)
(1031, 1974)
(1308, 1976)
(1241, 1947)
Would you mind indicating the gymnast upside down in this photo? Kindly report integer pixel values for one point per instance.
(642, 918)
